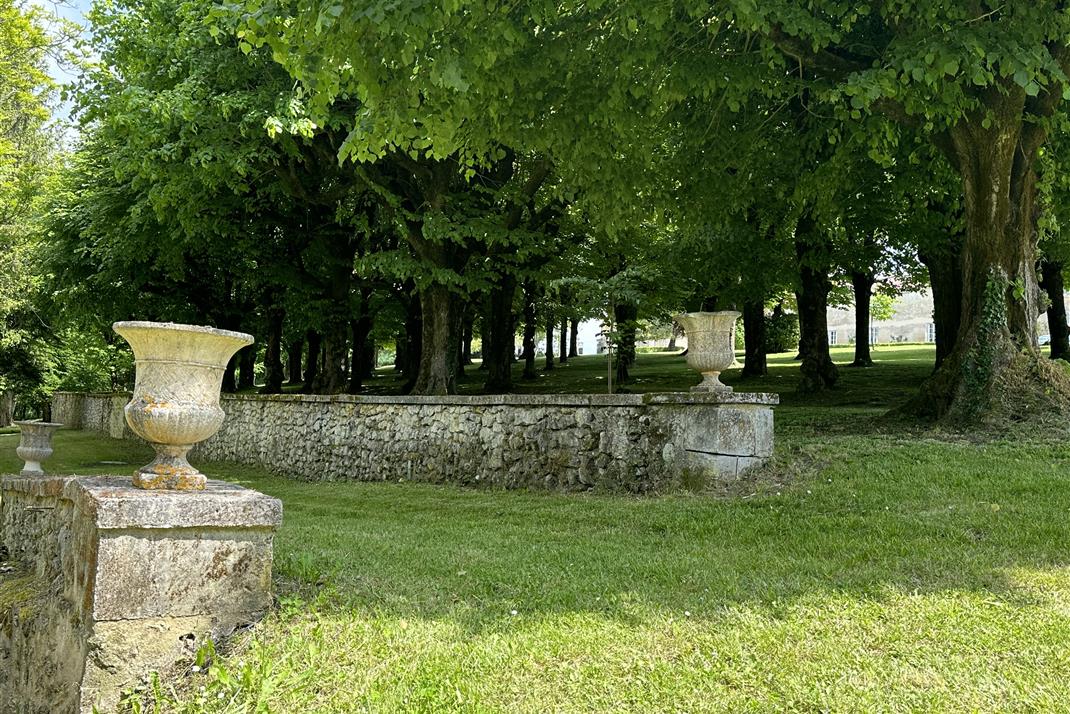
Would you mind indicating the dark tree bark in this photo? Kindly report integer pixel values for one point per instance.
(439, 363)
(754, 361)
(246, 367)
(361, 329)
(995, 369)
(499, 347)
(7, 407)
(273, 351)
(573, 337)
(293, 361)
(312, 361)
(862, 283)
(529, 330)
(625, 316)
(1052, 282)
(562, 347)
(549, 343)
(818, 370)
(944, 263)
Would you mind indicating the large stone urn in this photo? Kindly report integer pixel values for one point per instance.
(179, 371)
(711, 346)
(35, 445)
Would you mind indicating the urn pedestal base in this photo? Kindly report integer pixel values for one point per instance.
(712, 384)
(170, 471)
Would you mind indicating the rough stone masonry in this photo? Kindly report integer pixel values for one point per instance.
(634, 443)
(112, 582)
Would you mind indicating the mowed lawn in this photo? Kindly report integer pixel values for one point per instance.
(870, 570)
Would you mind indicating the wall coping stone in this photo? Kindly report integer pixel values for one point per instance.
(495, 400)
(116, 504)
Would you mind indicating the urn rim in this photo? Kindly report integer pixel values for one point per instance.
(244, 338)
(707, 313)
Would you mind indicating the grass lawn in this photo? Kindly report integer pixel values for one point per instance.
(871, 571)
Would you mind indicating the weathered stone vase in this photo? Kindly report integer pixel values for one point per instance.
(711, 346)
(35, 445)
(179, 371)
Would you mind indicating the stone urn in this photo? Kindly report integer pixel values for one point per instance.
(178, 375)
(711, 346)
(35, 445)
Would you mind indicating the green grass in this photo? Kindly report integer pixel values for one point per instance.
(872, 571)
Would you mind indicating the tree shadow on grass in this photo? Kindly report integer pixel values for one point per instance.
(876, 521)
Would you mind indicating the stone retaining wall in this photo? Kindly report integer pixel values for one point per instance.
(634, 443)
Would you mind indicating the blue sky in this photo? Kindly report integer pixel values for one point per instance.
(73, 10)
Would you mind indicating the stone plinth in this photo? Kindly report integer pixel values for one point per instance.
(637, 443)
(113, 582)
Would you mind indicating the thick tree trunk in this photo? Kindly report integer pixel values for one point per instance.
(944, 264)
(863, 289)
(440, 341)
(273, 351)
(995, 372)
(754, 361)
(312, 361)
(562, 347)
(573, 337)
(1052, 282)
(625, 316)
(530, 329)
(498, 345)
(293, 361)
(818, 370)
(549, 343)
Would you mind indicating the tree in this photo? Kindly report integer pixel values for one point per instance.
(982, 81)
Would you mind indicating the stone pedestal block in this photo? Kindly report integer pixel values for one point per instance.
(112, 582)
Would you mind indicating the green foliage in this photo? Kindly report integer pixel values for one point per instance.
(782, 332)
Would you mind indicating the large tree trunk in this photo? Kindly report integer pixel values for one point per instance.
(625, 316)
(439, 362)
(498, 347)
(945, 277)
(863, 289)
(273, 351)
(754, 361)
(1052, 282)
(467, 336)
(818, 370)
(995, 372)
(293, 361)
(549, 343)
(573, 337)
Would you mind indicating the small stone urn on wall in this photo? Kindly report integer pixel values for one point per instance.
(711, 346)
(179, 372)
(35, 445)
